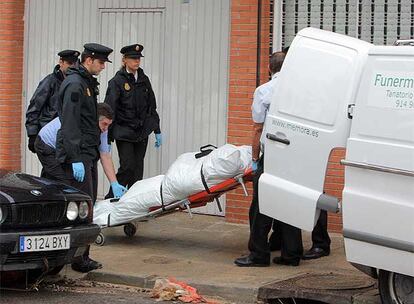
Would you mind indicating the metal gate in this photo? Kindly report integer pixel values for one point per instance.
(375, 21)
(121, 27)
(186, 57)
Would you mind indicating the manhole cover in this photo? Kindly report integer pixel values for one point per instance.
(159, 260)
(333, 282)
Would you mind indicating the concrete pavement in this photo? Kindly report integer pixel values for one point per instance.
(200, 251)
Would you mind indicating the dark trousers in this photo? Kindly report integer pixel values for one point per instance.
(260, 226)
(54, 170)
(320, 236)
(131, 161)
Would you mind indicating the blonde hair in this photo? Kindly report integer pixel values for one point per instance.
(122, 62)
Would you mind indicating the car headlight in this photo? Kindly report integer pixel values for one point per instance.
(4, 214)
(72, 211)
(83, 210)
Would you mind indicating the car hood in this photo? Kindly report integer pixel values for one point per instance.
(19, 187)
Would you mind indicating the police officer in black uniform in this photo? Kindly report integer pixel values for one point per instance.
(132, 99)
(78, 139)
(42, 108)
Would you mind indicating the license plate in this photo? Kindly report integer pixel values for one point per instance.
(44, 242)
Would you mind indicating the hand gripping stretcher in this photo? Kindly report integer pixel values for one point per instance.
(199, 199)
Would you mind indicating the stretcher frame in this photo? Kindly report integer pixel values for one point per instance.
(197, 200)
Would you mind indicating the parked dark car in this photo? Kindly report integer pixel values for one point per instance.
(43, 224)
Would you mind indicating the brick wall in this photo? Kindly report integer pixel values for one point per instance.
(334, 184)
(11, 71)
(242, 83)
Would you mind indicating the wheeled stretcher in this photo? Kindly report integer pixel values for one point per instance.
(197, 200)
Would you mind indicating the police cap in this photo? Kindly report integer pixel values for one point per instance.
(132, 51)
(97, 51)
(69, 55)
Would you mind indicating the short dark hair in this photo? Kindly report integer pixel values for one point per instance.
(69, 61)
(105, 110)
(84, 56)
(276, 61)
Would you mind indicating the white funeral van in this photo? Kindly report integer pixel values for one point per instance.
(337, 91)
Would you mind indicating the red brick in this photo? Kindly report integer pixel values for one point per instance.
(11, 37)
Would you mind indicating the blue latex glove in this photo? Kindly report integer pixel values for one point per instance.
(158, 140)
(78, 171)
(255, 165)
(117, 189)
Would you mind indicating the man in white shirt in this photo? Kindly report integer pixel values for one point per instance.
(53, 169)
(260, 225)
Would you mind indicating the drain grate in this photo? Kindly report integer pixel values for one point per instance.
(333, 282)
(332, 288)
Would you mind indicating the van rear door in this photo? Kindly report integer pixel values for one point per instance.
(378, 209)
(308, 117)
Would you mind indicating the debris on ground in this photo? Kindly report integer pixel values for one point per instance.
(173, 290)
(80, 286)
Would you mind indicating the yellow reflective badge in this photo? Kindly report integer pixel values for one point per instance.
(126, 86)
(88, 92)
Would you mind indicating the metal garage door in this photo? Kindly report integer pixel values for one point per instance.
(375, 21)
(118, 28)
(186, 57)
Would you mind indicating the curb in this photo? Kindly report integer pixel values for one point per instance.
(239, 295)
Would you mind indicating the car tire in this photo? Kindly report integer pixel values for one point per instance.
(395, 288)
(130, 229)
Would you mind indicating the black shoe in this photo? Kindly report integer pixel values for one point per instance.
(315, 253)
(249, 261)
(283, 261)
(86, 265)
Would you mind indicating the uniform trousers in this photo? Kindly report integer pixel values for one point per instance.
(131, 161)
(260, 226)
(320, 236)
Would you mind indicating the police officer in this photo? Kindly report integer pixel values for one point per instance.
(46, 151)
(79, 136)
(42, 107)
(131, 97)
(260, 225)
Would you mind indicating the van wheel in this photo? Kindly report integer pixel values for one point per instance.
(130, 229)
(395, 288)
(100, 239)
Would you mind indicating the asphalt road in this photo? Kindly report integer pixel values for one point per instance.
(79, 292)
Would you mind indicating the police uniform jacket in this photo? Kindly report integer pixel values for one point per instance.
(134, 106)
(43, 105)
(79, 136)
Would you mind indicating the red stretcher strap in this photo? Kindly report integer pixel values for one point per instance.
(219, 189)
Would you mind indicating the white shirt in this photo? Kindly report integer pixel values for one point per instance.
(261, 102)
(48, 135)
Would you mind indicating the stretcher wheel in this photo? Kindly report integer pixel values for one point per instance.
(130, 230)
(100, 239)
